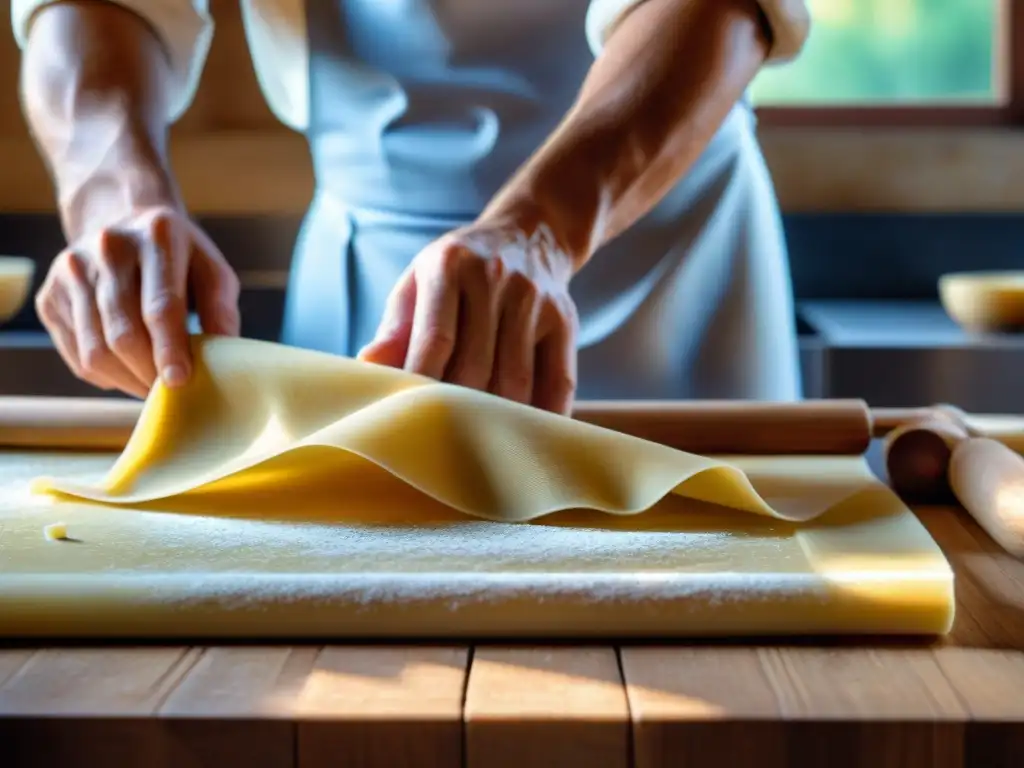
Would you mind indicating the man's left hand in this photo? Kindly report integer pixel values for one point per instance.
(487, 307)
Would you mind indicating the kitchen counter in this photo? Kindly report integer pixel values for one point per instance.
(943, 705)
(895, 325)
(910, 353)
(889, 353)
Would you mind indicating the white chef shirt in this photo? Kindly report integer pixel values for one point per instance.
(276, 31)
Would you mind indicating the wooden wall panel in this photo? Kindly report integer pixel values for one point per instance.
(233, 157)
(229, 97)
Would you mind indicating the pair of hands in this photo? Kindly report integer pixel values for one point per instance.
(485, 307)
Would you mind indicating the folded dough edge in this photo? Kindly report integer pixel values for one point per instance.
(250, 402)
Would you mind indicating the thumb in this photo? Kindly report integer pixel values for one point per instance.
(391, 344)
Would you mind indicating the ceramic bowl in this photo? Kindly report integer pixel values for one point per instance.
(984, 301)
(16, 273)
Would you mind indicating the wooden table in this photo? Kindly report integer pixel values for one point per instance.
(959, 702)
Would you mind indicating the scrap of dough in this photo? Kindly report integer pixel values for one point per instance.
(55, 532)
(255, 413)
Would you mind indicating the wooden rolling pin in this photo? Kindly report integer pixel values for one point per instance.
(73, 423)
(942, 458)
(704, 427)
(716, 427)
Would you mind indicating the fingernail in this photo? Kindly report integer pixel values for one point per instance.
(174, 375)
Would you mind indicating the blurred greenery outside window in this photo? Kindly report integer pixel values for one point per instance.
(892, 52)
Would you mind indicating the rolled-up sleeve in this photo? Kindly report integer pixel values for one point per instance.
(790, 23)
(184, 27)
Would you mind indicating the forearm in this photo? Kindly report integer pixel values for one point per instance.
(652, 102)
(94, 87)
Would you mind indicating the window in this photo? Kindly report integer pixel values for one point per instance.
(926, 61)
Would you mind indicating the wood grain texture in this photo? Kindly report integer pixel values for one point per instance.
(954, 704)
(792, 706)
(94, 682)
(543, 707)
(809, 428)
(862, 708)
(242, 682)
(989, 582)
(391, 707)
(983, 658)
(860, 684)
(894, 170)
(702, 707)
(234, 705)
(387, 706)
(991, 686)
(93, 707)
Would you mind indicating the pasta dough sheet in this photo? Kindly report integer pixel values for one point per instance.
(378, 559)
(290, 494)
(258, 415)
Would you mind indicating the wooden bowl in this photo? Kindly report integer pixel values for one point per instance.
(984, 301)
(16, 273)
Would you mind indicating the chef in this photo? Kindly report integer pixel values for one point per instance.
(544, 199)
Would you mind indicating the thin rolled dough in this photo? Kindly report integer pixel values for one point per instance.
(258, 415)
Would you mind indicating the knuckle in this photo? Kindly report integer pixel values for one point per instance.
(565, 312)
(92, 356)
(122, 337)
(161, 221)
(162, 308)
(107, 259)
(437, 343)
(451, 259)
(564, 385)
(472, 266)
(493, 271)
(111, 296)
(110, 254)
(163, 215)
(471, 371)
(44, 303)
(92, 379)
(518, 380)
(67, 262)
(522, 287)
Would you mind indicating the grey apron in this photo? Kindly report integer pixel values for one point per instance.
(421, 109)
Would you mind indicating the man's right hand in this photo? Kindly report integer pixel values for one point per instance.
(116, 302)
